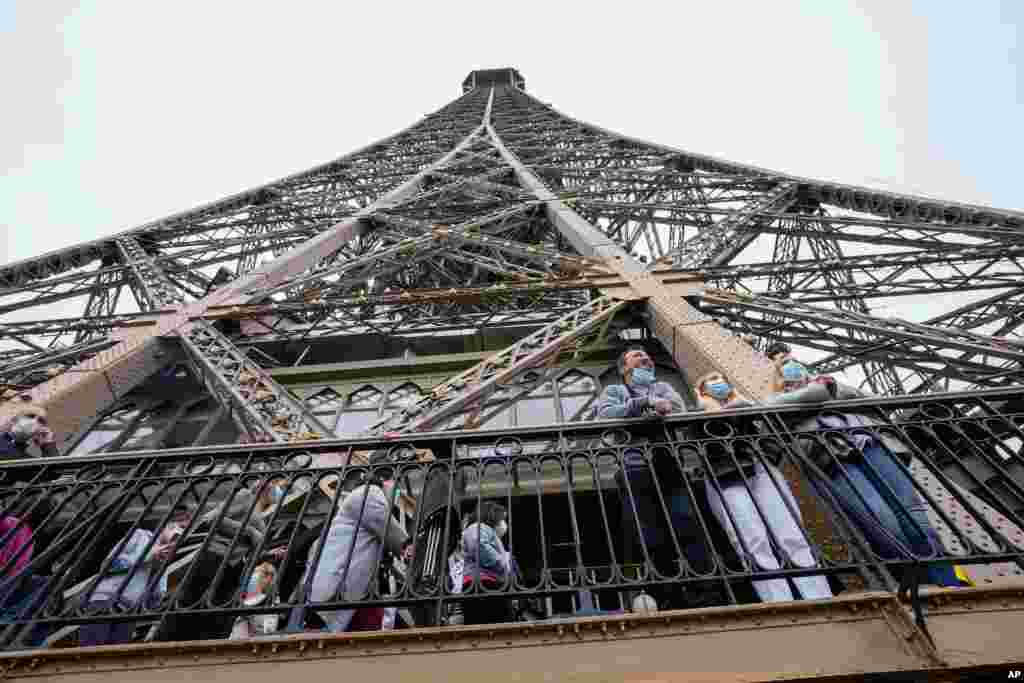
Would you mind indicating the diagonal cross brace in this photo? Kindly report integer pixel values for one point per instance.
(711, 245)
(235, 380)
(474, 385)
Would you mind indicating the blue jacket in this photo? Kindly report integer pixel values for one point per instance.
(619, 401)
(484, 553)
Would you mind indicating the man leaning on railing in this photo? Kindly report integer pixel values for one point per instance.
(639, 395)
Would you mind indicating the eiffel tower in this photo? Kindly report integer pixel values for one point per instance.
(511, 241)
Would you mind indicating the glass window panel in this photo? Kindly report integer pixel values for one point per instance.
(403, 396)
(352, 422)
(94, 441)
(499, 420)
(573, 405)
(538, 408)
(536, 412)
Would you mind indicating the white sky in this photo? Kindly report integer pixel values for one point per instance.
(116, 113)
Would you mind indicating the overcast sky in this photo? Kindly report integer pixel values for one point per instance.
(117, 113)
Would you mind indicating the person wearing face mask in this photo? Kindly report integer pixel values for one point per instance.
(26, 427)
(124, 585)
(23, 591)
(257, 591)
(732, 494)
(865, 470)
(642, 395)
(270, 496)
(227, 535)
(486, 565)
(362, 528)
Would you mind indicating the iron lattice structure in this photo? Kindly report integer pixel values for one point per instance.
(499, 212)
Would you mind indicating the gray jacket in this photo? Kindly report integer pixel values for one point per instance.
(249, 532)
(620, 401)
(353, 544)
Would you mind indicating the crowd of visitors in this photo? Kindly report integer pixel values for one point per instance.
(238, 553)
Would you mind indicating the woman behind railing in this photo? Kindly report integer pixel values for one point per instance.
(486, 563)
(234, 529)
(756, 505)
(349, 561)
(130, 566)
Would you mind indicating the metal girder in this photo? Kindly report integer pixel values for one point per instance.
(1004, 311)
(27, 370)
(876, 275)
(851, 197)
(41, 293)
(879, 377)
(238, 382)
(694, 340)
(242, 386)
(473, 387)
(924, 349)
(717, 244)
(153, 290)
(390, 159)
(102, 301)
(678, 215)
(545, 185)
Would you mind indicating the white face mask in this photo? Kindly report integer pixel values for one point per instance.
(502, 529)
(23, 428)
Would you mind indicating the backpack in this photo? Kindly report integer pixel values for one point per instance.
(131, 552)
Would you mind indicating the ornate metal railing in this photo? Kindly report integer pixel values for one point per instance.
(605, 516)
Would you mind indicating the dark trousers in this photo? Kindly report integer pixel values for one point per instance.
(490, 610)
(880, 498)
(644, 521)
(22, 603)
(107, 633)
(204, 626)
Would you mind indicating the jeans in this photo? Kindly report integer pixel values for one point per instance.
(747, 519)
(877, 510)
(23, 603)
(649, 516)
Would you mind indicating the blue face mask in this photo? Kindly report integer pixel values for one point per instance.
(719, 390)
(643, 376)
(254, 585)
(793, 371)
(276, 493)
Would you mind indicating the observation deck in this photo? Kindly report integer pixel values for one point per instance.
(486, 78)
(575, 574)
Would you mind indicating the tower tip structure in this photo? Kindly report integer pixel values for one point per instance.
(483, 78)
